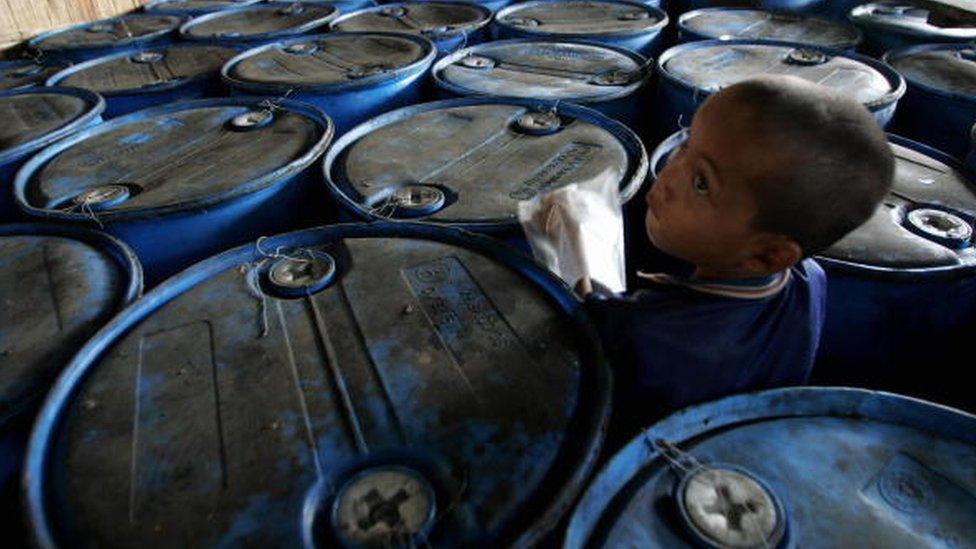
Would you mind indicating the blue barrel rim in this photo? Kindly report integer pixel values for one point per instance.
(772, 404)
(684, 17)
(908, 275)
(921, 86)
(158, 87)
(895, 80)
(26, 173)
(185, 28)
(635, 178)
(36, 42)
(644, 63)
(860, 15)
(97, 107)
(663, 20)
(558, 293)
(487, 17)
(417, 67)
(153, 7)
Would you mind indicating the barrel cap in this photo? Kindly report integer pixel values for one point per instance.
(264, 21)
(582, 18)
(431, 19)
(907, 18)
(36, 117)
(757, 24)
(194, 7)
(944, 69)
(125, 30)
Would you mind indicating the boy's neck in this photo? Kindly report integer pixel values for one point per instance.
(710, 273)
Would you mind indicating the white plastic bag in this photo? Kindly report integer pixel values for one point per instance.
(577, 231)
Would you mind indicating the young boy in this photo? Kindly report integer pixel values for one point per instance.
(775, 169)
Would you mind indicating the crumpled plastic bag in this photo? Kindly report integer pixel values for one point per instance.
(577, 231)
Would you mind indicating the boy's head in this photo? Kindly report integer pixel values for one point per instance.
(775, 168)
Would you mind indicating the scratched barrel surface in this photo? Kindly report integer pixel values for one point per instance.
(260, 23)
(611, 80)
(97, 38)
(33, 118)
(351, 76)
(276, 395)
(892, 25)
(939, 107)
(755, 24)
(468, 162)
(630, 25)
(801, 467)
(24, 73)
(130, 81)
(449, 25)
(182, 181)
(689, 73)
(193, 8)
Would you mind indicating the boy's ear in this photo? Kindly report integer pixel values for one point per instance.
(773, 253)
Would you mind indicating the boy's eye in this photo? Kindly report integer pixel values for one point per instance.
(701, 186)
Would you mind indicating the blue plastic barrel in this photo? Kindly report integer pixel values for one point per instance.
(803, 467)
(182, 181)
(449, 25)
(24, 73)
(353, 76)
(611, 80)
(971, 159)
(757, 24)
(193, 8)
(278, 395)
(344, 6)
(260, 23)
(33, 118)
(899, 24)
(493, 5)
(97, 38)
(468, 162)
(939, 107)
(625, 24)
(131, 81)
(792, 6)
(689, 73)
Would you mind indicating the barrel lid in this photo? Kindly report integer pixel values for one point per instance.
(582, 17)
(709, 65)
(543, 69)
(943, 68)
(850, 467)
(258, 22)
(907, 18)
(459, 402)
(22, 73)
(194, 7)
(36, 117)
(756, 24)
(146, 70)
(117, 31)
(431, 19)
(58, 285)
(173, 158)
(335, 60)
(468, 162)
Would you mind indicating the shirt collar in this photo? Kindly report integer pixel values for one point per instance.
(742, 288)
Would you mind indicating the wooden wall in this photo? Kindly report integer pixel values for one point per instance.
(21, 19)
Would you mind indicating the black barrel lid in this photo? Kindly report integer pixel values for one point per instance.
(125, 29)
(35, 117)
(905, 17)
(355, 385)
(469, 162)
(260, 21)
(58, 285)
(949, 69)
(427, 18)
(330, 60)
(146, 70)
(582, 17)
(756, 24)
(543, 69)
(195, 7)
(171, 158)
(713, 64)
(22, 73)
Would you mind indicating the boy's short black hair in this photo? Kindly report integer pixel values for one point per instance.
(836, 165)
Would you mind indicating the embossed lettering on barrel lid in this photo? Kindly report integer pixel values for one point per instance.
(946, 68)
(24, 72)
(486, 155)
(160, 67)
(543, 69)
(267, 19)
(35, 113)
(56, 290)
(175, 155)
(908, 18)
(331, 59)
(581, 17)
(754, 24)
(417, 17)
(713, 65)
(195, 7)
(108, 32)
(456, 373)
